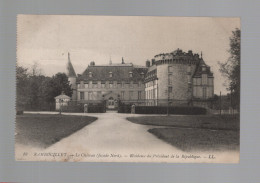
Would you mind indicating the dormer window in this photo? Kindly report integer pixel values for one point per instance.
(90, 74)
(142, 75)
(203, 68)
(110, 74)
(130, 74)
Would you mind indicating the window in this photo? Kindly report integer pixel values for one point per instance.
(170, 79)
(204, 92)
(194, 81)
(142, 75)
(81, 84)
(115, 84)
(203, 68)
(198, 81)
(86, 85)
(90, 84)
(154, 91)
(90, 74)
(90, 95)
(170, 89)
(122, 95)
(210, 81)
(169, 68)
(131, 84)
(189, 78)
(131, 93)
(110, 74)
(103, 85)
(139, 84)
(123, 84)
(82, 97)
(99, 95)
(204, 79)
(139, 94)
(130, 74)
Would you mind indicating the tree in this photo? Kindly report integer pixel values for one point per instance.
(35, 82)
(56, 85)
(231, 68)
(21, 87)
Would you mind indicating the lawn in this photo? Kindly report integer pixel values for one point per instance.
(198, 139)
(225, 122)
(195, 133)
(43, 130)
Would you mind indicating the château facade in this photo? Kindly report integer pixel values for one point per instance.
(176, 78)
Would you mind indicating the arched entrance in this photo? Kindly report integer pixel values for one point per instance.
(111, 103)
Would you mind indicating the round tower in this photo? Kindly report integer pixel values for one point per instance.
(174, 71)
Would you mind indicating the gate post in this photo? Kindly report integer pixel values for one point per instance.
(133, 109)
(85, 108)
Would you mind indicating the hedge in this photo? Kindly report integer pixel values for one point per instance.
(184, 110)
(98, 108)
(124, 108)
(73, 108)
(92, 108)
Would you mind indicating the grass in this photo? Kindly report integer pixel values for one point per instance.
(225, 122)
(198, 139)
(193, 133)
(43, 130)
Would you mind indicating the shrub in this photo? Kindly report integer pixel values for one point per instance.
(184, 110)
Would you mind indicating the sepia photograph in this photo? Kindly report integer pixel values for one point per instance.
(127, 89)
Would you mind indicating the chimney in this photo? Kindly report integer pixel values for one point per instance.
(153, 61)
(123, 62)
(92, 63)
(147, 63)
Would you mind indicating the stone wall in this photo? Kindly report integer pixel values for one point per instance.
(180, 80)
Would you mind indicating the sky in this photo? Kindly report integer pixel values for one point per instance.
(47, 39)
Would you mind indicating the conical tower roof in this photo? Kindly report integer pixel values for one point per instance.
(70, 69)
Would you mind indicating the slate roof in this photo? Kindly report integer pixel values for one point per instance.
(198, 72)
(62, 97)
(120, 72)
(70, 69)
(151, 74)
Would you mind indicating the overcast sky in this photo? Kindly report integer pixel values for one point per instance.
(47, 39)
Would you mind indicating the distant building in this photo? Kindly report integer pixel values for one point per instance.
(61, 100)
(176, 77)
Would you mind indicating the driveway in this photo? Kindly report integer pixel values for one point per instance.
(110, 138)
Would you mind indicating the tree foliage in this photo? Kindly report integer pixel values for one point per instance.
(34, 89)
(231, 68)
(58, 83)
(21, 86)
